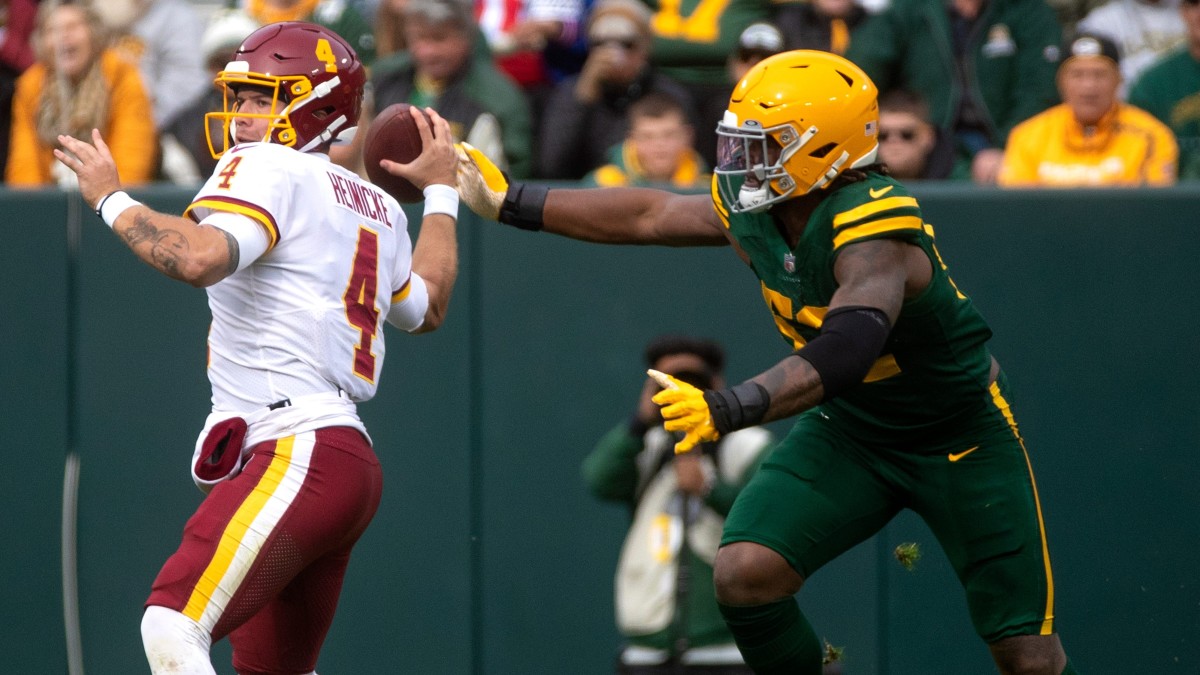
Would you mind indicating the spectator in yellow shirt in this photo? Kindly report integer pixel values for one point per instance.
(77, 85)
(1092, 138)
(658, 151)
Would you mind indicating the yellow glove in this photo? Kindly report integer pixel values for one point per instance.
(480, 183)
(684, 409)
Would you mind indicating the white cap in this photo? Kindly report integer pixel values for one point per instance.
(761, 37)
(226, 30)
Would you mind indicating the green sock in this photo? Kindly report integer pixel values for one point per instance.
(1069, 669)
(775, 638)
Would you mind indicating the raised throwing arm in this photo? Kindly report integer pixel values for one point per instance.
(178, 247)
(435, 255)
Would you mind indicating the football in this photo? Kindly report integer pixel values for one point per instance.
(393, 135)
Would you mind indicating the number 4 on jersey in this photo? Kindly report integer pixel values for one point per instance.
(360, 301)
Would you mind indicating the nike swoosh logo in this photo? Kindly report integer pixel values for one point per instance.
(955, 456)
(876, 194)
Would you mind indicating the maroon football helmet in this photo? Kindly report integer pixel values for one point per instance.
(316, 79)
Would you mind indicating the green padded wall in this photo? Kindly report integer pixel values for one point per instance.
(35, 412)
(489, 557)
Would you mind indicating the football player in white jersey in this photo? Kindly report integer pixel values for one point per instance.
(303, 262)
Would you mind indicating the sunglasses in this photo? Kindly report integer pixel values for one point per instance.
(907, 135)
(1190, 3)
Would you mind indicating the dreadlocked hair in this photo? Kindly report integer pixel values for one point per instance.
(858, 175)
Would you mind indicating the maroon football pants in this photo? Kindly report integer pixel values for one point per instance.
(263, 558)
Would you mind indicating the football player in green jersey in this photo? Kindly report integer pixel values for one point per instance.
(898, 402)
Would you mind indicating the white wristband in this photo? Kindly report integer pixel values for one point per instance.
(113, 205)
(441, 199)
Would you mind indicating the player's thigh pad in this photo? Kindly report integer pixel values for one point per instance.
(816, 496)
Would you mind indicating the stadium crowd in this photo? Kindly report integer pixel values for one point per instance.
(549, 89)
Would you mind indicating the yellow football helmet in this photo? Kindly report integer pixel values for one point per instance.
(794, 123)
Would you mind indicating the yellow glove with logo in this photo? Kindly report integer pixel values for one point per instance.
(480, 183)
(684, 409)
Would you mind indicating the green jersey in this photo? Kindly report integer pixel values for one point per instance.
(1170, 90)
(694, 38)
(932, 376)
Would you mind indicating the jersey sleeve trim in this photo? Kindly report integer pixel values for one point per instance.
(241, 207)
(405, 289)
(873, 208)
(877, 227)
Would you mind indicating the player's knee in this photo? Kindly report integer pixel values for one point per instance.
(174, 643)
(1029, 655)
(746, 573)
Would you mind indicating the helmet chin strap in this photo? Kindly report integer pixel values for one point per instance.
(331, 133)
(754, 200)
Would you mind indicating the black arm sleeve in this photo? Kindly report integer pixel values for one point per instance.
(851, 339)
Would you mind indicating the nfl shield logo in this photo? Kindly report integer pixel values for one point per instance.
(789, 263)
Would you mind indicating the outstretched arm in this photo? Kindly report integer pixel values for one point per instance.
(179, 248)
(633, 216)
(601, 215)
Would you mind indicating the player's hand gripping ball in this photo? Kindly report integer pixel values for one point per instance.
(393, 135)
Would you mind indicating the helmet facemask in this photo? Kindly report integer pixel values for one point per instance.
(750, 163)
(288, 95)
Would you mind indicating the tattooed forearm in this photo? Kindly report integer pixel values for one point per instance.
(141, 230)
(235, 252)
(793, 385)
(168, 248)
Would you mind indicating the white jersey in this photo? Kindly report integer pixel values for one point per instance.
(304, 322)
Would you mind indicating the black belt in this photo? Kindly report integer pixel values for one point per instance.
(285, 402)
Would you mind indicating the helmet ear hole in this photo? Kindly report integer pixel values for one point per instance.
(823, 150)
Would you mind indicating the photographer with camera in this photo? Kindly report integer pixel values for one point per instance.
(665, 605)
